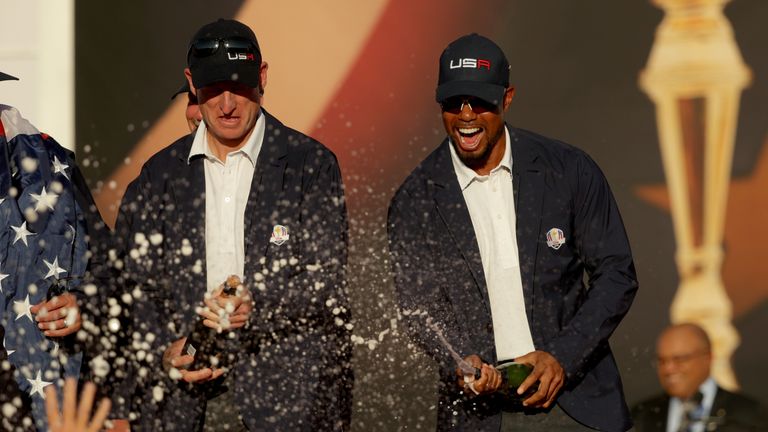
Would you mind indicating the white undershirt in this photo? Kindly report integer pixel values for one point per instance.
(491, 204)
(227, 186)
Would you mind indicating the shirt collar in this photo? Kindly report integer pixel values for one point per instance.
(708, 389)
(467, 175)
(250, 149)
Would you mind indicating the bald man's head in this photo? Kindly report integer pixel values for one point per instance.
(684, 357)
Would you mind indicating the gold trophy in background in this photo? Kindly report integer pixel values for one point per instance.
(695, 75)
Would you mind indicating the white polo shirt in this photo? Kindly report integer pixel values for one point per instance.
(227, 186)
(491, 204)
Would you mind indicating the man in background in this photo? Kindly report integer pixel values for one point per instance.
(192, 113)
(692, 400)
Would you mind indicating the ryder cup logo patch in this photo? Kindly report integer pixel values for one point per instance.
(279, 235)
(555, 238)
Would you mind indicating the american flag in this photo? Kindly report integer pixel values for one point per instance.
(42, 244)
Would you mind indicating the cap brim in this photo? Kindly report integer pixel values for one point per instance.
(204, 75)
(6, 77)
(490, 93)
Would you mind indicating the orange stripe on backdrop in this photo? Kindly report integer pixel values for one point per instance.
(170, 126)
(384, 119)
(309, 46)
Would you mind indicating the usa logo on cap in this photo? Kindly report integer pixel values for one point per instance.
(555, 238)
(279, 235)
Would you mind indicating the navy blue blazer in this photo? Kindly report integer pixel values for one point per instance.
(439, 274)
(292, 370)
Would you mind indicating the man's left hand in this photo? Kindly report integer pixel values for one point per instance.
(59, 316)
(227, 312)
(548, 372)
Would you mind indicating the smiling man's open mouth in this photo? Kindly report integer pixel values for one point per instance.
(470, 137)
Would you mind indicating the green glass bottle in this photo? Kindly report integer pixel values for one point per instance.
(513, 374)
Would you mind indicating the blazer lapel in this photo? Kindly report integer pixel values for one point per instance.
(453, 210)
(266, 187)
(528, 186)
(720, 405)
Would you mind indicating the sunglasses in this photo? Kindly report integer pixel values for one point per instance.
(679, 359)
(455, 105)
(208, 47)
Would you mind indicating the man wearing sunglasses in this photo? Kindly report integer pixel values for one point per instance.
(248, 200)
(491, 237)
(692, 399)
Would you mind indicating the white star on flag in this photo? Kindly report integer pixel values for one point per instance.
(59, 167)
(2, 276)
(22, 308)
(22, 233)
(38, 385)
(2, 200)
(9, 351)
(44, 200)
(53, 268)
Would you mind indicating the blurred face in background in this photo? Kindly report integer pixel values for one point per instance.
(683, 361)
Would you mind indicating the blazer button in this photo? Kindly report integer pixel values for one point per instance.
(489, 328)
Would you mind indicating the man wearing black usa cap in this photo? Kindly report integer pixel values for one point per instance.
(491, 237)
(248, 199)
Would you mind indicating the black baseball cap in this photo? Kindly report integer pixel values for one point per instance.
(473, 65)
(6, 77)
(224, 50)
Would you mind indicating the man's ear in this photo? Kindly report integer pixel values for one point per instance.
(188, 75)
(263, 77)
(509, 94)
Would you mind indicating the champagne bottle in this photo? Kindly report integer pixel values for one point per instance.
(209, 346)
(512, 375)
